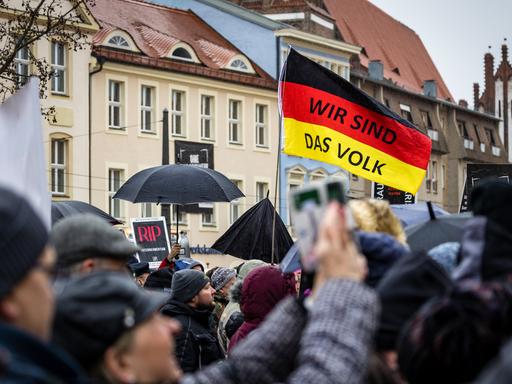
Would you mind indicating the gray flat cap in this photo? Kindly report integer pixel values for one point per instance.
(83, 236)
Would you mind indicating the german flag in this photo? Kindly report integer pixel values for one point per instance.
(326, 118)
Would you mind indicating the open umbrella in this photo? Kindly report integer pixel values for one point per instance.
(410, 214)
(61, 209)
(437, 230)
(250, 237)
(178, 184)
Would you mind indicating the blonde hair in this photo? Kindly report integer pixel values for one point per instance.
(372, 215)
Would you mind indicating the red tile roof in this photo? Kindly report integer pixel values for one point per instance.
(156, 29)
(405, 58)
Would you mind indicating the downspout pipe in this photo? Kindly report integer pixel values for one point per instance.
(100, 61)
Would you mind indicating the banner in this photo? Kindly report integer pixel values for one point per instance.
(199, 155)
(150, 234)
(326, 118)
(22, 160)
(478, 172)
(394, 196)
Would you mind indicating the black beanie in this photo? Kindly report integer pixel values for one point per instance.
(161, 280)
(186, 284)
(409, 284)
(23, 237)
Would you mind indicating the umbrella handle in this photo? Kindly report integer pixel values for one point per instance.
(431, 212)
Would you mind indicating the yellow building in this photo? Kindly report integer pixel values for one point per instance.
(151, 57)
(66, 131)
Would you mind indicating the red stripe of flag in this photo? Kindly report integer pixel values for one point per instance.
(409, 145)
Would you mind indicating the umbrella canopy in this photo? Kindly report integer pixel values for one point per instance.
(178, 184)
(250, 237)
(410, 214)
(61, 209)
(427, 235)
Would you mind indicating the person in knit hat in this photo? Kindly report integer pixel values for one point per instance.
(27, 299)
(222, 281)
(232, 318)
(191, 303)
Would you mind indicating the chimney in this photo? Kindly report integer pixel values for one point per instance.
(489, 90)
(476, 96)
(430, 88)
(376, 70)
(504, 52)
(463, 103)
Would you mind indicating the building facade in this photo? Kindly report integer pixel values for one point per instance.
(496, 98)
(218, 100)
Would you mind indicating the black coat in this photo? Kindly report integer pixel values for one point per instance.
(25, 359)
(196, 345)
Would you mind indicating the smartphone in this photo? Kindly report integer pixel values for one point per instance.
(308, 205)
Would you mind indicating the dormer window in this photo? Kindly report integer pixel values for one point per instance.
(119, 42)
(184, 52)
(240, 64)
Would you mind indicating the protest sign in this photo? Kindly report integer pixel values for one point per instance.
(326, 118)
(150, 234)
(394, 196)
(478, 172)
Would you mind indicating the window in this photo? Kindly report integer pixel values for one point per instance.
(146, 108)
(58, 166)
(146, 210)
(234, 207)
(425, 118)
(443, 176)
(434, 176)
(178, 113)
(115, 104)
(318, 175)
(405, 111)
(118, 41)
(182, 54)
(235, 122)
(490, 136)
(22, 63)
(499, 108)
(476, 133)
(462, 129)
(239, 65)
(58, 65)
(115, 179)
(261, 126)
(208, 218)
(261, 191)
(207, 117)
(182, 216)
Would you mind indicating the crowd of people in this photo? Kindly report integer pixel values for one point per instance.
(77, 307)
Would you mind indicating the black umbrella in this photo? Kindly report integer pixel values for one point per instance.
(61, 209)
(178, 184)
(250, 237)
(435, 231)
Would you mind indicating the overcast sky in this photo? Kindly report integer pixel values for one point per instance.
(457, 34)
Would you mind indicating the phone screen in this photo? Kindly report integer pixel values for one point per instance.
(335, 192)
(306, 197)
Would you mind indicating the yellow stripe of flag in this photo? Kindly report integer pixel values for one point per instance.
(330, 146)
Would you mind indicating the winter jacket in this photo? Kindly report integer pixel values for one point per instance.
(196, 345)
(330, 344)
(25, 359)
(262, 289)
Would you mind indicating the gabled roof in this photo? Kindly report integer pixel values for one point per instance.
(156, 29)
(405, 58)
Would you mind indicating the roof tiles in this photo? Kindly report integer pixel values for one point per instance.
(406, 60)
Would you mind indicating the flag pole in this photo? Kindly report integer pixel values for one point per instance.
(278, 163)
